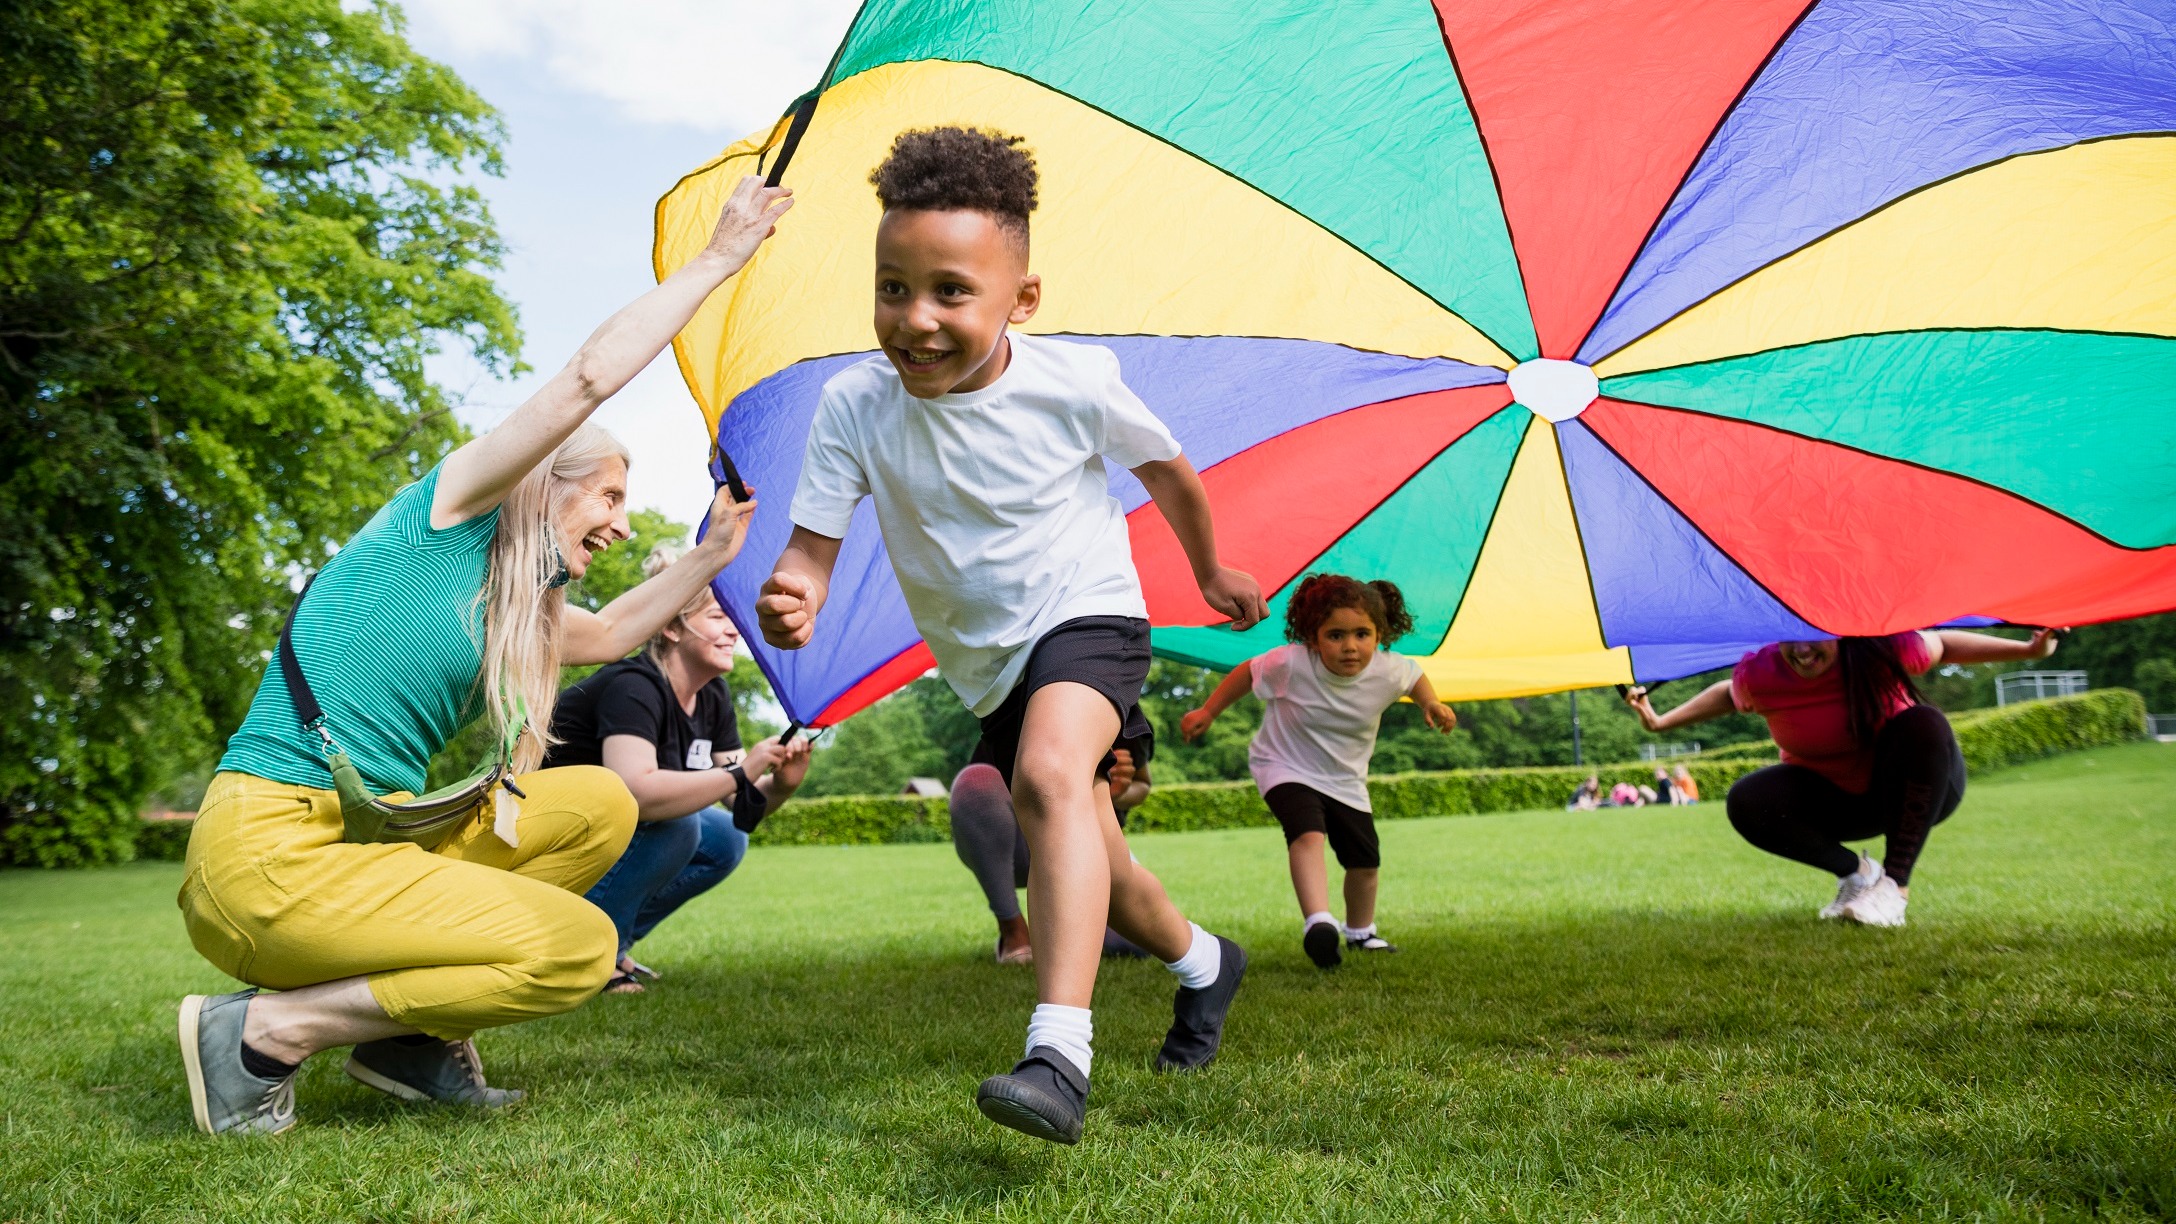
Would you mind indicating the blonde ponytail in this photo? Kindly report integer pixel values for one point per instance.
(523, 613)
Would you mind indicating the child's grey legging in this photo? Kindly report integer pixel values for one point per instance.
(988, 839)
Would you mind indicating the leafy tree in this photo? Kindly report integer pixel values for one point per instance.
(227, 248)
(2155, 680)
(877, 750)
(2111, 654)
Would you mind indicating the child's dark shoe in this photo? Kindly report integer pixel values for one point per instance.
(1372, 943)
(1321, 944)
(1044, 1095)
(1197, 1016)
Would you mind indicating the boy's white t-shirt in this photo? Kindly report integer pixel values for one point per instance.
(1318, 728)
(995, 504)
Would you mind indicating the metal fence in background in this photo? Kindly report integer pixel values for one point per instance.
(2037, 685)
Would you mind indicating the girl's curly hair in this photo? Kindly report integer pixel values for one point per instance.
(945, 168)
(1321, 594)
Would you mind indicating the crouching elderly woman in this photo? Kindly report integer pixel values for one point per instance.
(449, 598)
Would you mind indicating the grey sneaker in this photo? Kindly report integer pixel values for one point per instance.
(448, 1072)
(222, 1093)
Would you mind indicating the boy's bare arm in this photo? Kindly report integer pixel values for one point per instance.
(796, 589)
(1177, 491)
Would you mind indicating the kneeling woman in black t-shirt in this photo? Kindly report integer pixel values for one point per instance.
(663, 721)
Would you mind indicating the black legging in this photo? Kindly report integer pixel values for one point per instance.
(1798, 813)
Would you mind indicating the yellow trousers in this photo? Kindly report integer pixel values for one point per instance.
(471, 935)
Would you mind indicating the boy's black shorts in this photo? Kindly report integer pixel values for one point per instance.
(1108, 654)
(1303, 809)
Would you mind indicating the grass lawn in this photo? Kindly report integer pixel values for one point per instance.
(1594, 1017)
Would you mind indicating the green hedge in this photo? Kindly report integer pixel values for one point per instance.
(167, 840)
(2029, 730)
(855, 820)
(1990, 739)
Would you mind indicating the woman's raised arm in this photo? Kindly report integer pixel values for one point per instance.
(478, 476)
(1714, 701)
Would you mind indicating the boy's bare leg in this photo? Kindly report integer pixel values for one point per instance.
(1067, 730)
(1139, 909)
(1080, 878)
(1310, 877)
(1360, 883)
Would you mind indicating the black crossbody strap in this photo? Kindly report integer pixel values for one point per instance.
(298, 688)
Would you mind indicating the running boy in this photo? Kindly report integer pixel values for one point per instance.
(1324, 696)
(985, 454)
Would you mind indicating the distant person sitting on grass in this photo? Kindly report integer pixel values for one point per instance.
(449, 597)
(1587, 797)
(986, 835)
(664, 722)
(986, 455)
(1862, 756)
(1683, 789)
(1323, 697)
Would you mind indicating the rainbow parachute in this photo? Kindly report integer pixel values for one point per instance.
(1622, 334)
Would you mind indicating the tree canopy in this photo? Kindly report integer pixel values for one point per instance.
(234, 231)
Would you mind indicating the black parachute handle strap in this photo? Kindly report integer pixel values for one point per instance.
(796, 120)
(804, 109)
(723, 472)
(311, 714)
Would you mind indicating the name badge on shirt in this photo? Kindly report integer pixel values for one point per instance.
(699, 754)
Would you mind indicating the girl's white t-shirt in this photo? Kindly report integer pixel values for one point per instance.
(1318, 727)
(995, 504)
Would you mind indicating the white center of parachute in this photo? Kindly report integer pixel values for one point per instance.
(1554, 390)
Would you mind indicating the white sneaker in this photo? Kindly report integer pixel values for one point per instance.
(1849, 887)
(1882, 906)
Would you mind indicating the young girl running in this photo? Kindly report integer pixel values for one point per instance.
(1325, 696)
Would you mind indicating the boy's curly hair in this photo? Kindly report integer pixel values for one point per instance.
(946, 168)
(1321, 594)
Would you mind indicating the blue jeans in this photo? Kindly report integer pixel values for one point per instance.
(667, 864)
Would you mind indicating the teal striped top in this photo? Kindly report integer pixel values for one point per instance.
(391, 639)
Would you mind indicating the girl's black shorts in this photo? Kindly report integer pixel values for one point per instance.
(1301, 809)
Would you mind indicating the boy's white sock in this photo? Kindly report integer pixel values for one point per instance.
(1068, 1030)
(1359, 933)
(1204, 959)
(1318, 916)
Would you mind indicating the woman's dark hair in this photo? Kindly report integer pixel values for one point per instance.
(941, 169)
(1321, 594)
(1873, 674)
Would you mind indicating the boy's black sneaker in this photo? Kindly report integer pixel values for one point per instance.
(1373, 943)
(1197, 1016)
(1321, 944)
(1044, 1095)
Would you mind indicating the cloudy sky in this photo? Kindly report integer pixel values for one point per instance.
(606, 105)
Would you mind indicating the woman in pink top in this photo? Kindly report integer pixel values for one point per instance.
(1861, 755)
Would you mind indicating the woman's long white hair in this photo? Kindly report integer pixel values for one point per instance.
(523, 613)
